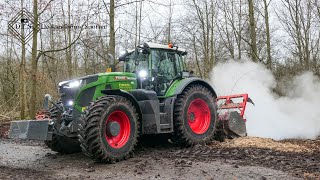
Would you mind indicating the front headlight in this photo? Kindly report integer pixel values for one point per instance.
(70, 103)
(73, 84)
(143, 74)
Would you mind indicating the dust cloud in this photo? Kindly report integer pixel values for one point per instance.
(295, 115)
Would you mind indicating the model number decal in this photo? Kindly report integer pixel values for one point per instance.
(124, 78)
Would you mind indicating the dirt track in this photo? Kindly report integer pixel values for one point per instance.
(245, 158)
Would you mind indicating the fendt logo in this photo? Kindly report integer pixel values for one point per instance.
(21, 25)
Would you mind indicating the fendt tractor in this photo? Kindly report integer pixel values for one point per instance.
(104, 114)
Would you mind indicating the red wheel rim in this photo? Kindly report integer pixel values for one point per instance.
(122, 138)
(199, 116)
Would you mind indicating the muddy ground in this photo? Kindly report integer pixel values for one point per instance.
(242, 158)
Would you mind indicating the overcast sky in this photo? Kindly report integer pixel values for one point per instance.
(154, 16)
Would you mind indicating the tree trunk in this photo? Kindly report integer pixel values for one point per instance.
(140, 22)
(136, 34)
(69, 50)
(196, 56)
(212, 54)
(240, 31)
(34, 61)
(169, 27)
(22, 73)
(112, 41)
(298, 32)
(253, 35)
(266, 14)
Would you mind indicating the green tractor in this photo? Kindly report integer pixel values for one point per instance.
(104, 114)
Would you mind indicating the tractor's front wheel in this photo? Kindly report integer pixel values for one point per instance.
(109, 129)
(194, 116)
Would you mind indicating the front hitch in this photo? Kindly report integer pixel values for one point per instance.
(47, 99)
(44, 114)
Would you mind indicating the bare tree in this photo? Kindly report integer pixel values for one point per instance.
(266, 17)
(112, 41)
(22, 71)
(253, 35)
(204, 12)
(297, 19)
(34, 60)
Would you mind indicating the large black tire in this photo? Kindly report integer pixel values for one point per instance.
(194, 116)
(62, 144)
(93, 136)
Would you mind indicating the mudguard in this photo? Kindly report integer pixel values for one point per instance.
(178, 87)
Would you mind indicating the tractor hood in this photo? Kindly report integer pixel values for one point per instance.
(79, 81)
(81, 91)
(69, 89)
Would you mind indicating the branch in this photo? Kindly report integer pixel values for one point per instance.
(98, 53)
(57, 50)
(67, 47)
(45, 7)
(7, 117)
(124, 4)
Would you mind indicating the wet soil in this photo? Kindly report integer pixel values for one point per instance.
(300, 158)
(242, 158)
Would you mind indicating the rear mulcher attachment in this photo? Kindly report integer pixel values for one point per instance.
(104, 114)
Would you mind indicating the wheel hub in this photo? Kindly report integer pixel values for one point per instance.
(192, 117)
(199, 117)
(113, 128)
(118, 129)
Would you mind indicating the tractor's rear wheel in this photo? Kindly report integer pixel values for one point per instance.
(109, 129)
(62, 144)
(194, 116)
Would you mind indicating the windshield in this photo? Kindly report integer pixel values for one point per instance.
(136, 61)
(167, 63)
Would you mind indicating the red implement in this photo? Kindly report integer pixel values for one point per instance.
(43, 114)
(230, 102)
(231, 111)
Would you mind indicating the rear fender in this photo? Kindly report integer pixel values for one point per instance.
(187, 82)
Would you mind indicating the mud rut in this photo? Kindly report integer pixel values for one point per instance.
(300, 158)
(299, 164)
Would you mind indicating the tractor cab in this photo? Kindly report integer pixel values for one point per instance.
(155, 65)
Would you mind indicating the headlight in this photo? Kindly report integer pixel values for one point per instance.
(70, 103)
(73, 84)
(143, 74)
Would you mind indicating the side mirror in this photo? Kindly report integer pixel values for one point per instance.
(110, 58)
(146, 45)
(146, 51)
(123, 56)
(146, 48)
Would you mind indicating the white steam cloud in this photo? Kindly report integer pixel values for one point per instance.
(296, 115)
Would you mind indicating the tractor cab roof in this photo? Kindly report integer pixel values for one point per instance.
(150, 45)
(162, 46)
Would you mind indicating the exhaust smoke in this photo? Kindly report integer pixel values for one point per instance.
(295, 115)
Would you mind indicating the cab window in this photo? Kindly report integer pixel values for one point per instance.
(136, 62)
